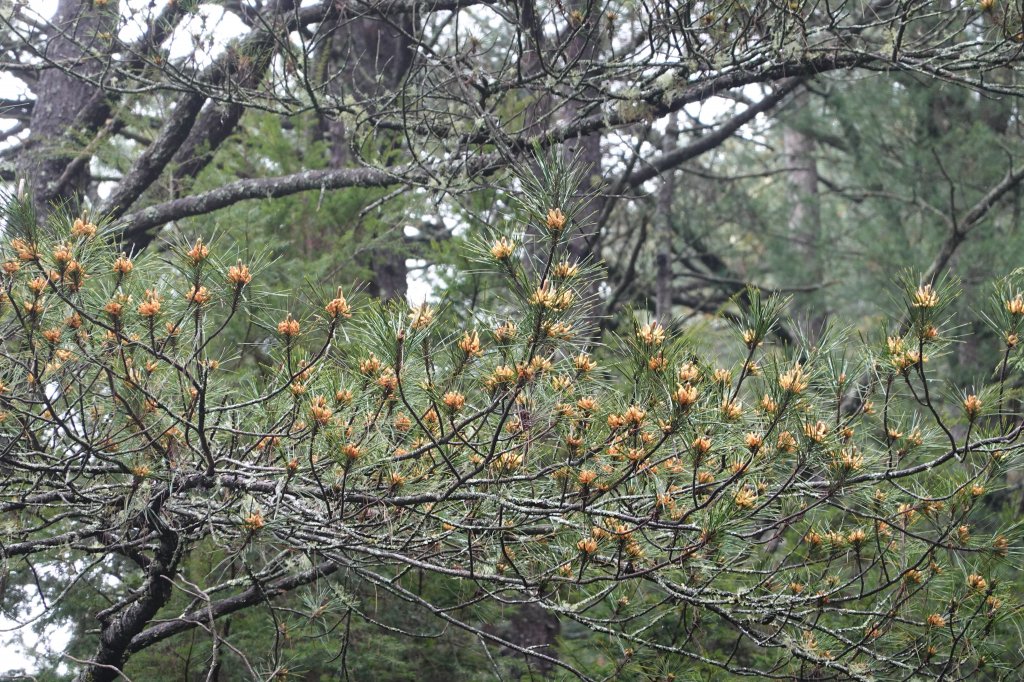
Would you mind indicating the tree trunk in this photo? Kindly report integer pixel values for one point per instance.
(804, 220)
(46, 164)
(585, 244)
(665, 230)
(371, 56)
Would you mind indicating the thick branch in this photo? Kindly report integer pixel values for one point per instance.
(708, 142)
(254, 595)
(972, 219)
(134, 224)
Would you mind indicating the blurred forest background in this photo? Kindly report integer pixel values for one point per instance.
(815, 150)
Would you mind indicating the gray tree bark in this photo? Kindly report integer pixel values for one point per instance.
(46, 163)
(371, 56)
(665, 229)
(804, 219)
